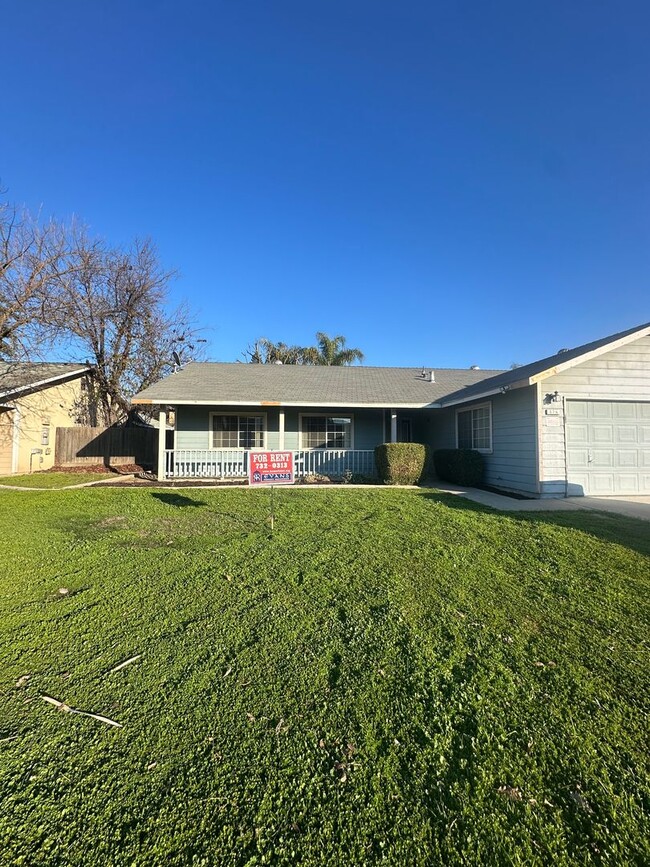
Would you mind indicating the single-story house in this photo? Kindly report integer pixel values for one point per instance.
(36, 398)
(577, 422)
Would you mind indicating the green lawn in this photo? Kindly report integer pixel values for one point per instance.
(393, 677)
(53, 480)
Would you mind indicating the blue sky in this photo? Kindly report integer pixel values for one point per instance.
(449, 183)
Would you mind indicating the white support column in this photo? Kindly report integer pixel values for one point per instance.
(393, 425)
(162, 436)
(281, 430)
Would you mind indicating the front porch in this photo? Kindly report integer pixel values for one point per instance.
(214, 441)
(233, 463)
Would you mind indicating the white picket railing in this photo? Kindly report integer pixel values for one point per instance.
(233, 463)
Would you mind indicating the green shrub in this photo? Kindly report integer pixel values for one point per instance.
(461, 466)
(401, 463)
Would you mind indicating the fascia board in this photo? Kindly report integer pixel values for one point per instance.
(171, 401)
(490, 393)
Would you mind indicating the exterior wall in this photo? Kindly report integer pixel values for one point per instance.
(512, 464)
(6, 441)
(193, 425)
(44, 410)
(621, 374)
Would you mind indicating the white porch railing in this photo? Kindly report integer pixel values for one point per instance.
(233, 463)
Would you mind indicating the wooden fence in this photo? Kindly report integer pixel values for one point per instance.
(110, 446)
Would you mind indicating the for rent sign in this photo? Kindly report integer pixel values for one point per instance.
(270, 468)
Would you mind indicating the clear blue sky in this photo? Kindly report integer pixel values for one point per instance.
(449, 183)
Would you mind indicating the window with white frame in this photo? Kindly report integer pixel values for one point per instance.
(474, 427)
(325, 432)
(237, 431)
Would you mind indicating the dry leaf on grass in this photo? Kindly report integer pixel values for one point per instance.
(60, 705)
(513, 793)
(125, 663)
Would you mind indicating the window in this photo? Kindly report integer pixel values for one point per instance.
(325, 432)
(237, 431)
(474, 428)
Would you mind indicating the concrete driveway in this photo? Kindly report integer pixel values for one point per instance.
(631, 507)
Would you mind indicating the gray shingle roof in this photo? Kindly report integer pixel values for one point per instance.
(526, 371)
(255, 384)
(21, 376)
(219, 383)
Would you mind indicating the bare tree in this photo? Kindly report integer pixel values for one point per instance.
(111, 304)
(30, 256)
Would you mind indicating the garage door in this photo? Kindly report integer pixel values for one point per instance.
(608, 447)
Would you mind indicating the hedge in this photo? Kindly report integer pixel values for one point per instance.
(461, 466)
(401, 463)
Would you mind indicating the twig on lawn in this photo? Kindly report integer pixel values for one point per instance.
(125, 663)
(10, 738)
(60, 705)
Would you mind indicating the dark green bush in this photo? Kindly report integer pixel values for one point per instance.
(461, 466)
(401, 463)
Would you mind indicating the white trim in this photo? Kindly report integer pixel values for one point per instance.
(267, 404)
(488, 404)
(162, 445)
(539, 450)
(504, 389)
(393, 425)
(261, 415)
(304, 448)
(71, 374)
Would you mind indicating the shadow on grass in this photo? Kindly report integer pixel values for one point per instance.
(177, 500)
(632, 533)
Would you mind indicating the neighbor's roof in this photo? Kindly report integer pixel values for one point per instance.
(20, 376)
(299, 385)
(528, 374)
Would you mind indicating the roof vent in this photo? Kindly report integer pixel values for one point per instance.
(428, 375)
(475, 367)
(560, 351)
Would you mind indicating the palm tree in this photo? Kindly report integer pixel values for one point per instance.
(332, 351)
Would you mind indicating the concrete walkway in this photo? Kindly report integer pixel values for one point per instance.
(631, 507)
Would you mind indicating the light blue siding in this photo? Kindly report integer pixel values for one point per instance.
(193, 425)
(512, 465)
(513, 462)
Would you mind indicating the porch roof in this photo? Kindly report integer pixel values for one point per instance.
(214, 383)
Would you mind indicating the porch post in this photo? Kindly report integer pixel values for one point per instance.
(281, 430)
(393, 425)
(162, 436)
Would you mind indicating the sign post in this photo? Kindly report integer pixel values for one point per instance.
(270, 468)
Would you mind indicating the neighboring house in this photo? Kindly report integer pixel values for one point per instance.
(35, 399)
(577, 422)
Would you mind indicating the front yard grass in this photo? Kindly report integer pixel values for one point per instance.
(392, 677)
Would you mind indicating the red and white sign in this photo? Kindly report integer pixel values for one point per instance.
(270, 468)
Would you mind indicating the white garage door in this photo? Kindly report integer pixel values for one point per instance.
(608, 447)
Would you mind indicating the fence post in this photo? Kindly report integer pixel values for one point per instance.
(162, 436)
